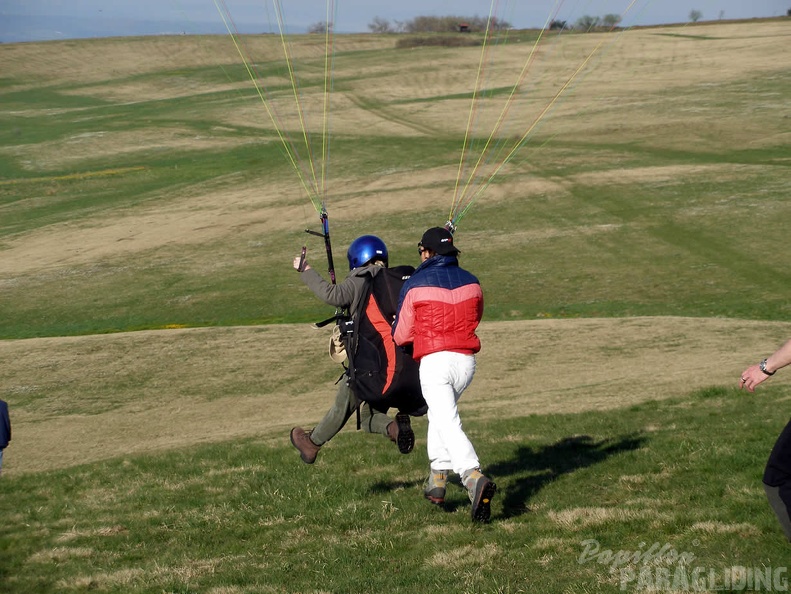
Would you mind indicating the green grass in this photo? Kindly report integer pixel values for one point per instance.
(248, 516)
(580, 224)
(668, 248)
(674, 247)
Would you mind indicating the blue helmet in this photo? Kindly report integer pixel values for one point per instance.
(364, 249)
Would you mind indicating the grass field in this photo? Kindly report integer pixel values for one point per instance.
(155, 345)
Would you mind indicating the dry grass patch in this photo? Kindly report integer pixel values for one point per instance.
(633, 479)
(170, 387)
(123, 577)
(91, 61)
(437, 530)
(713, 527)
(554, 543)
(69, 152)
(206, 214)
(188, 220)
(585, 517)
(61, 554)
(615, 84)
(464, 557)
(670, 175)
(104, 531)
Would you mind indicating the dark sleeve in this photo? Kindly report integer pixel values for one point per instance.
(5, 425)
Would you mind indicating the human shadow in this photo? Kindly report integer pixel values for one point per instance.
(534, 468)
(531, 469)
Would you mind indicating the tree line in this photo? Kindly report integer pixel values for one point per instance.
(447, 24)
(424, 24)
(476, 24)
(452, 23)
(436, 24)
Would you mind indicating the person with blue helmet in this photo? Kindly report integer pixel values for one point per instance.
(366, 249)
(367, 255)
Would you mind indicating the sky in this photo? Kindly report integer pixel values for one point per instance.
(40, 20)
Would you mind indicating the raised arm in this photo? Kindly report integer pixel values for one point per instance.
(340, 295)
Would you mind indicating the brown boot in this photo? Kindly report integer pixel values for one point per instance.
(307, 449)
(400, 432)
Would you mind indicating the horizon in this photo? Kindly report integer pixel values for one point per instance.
(44, 20)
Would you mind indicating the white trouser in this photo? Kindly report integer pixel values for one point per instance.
(443, 378)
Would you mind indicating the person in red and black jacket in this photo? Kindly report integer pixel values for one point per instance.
(439, 309)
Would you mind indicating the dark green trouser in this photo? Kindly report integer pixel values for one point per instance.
(371, 420)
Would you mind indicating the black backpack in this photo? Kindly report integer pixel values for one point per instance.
(381, 373)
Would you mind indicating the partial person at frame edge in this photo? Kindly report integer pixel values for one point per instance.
(777, 474)
(5, 430)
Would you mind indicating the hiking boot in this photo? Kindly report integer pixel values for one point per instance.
(434, 487)
(400, 432)
(307, 449)
(481, 490)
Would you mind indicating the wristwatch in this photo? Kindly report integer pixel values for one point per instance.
(762, 367)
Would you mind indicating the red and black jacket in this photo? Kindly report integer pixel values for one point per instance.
(439, 309)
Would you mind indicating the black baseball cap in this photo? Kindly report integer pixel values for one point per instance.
(440, 241)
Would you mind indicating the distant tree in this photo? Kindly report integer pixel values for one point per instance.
(380, 25)
(587, 23)
(499, 24)
(320, 27)
(611, 20)
(556, 25)
(789, 12)
(422, 24)
(695, 15)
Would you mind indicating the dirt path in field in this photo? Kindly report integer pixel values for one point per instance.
(97, 397)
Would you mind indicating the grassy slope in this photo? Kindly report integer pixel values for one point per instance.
(622, 202)
(245, 516)
(154, 193)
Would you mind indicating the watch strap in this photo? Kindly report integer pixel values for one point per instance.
(762, 367)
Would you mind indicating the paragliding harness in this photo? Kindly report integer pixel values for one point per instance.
(381, 373)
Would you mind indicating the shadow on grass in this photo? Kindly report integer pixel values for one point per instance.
(545, 464)
(530, 470)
